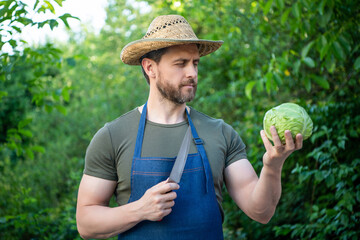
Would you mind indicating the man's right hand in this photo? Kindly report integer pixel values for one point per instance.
(158, 200)
(95, 219)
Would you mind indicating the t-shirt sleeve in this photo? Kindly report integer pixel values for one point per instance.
(100, 156)
(236, 148)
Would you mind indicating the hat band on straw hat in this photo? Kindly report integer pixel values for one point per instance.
(166, 31)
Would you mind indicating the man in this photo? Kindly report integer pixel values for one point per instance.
(133, 155)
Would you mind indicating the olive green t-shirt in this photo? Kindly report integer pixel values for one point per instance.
(110, 152)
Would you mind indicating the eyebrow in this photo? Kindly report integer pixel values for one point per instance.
(186, 60)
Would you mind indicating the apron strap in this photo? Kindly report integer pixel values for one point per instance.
(140, 134)
(199, 145)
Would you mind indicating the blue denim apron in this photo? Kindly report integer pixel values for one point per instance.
(196, 214)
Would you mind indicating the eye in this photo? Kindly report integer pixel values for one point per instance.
(180, 64)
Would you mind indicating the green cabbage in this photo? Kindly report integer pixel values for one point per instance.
(288, 116)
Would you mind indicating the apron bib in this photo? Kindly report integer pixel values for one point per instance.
(196, 214)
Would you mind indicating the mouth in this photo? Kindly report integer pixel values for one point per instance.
(189, 85)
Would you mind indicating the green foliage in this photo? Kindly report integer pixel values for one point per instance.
(30, 80)
(38, 203)
(276, 51)
(327, 178)
(26, 78)
(15, 15)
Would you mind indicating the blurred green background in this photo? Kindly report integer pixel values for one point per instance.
(55, 96)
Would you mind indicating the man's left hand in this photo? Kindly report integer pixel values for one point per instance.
(276, 154)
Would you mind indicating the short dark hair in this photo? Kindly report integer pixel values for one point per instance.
(154, 55)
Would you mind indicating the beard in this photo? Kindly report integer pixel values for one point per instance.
(177, 94)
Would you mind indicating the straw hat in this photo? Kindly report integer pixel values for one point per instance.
(166, 31)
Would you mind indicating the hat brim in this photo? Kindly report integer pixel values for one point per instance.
(133, 51)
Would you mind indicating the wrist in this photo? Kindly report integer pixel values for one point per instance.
(272, 170)
(137, 215)
(273, 164)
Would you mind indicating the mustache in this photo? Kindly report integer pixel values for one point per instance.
(189, 82)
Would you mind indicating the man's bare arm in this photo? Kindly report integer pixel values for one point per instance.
(256, 197)
(95, 219)
(259, 196)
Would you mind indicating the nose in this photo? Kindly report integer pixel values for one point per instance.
(191, 71)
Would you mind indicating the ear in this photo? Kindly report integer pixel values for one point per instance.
(149, 67)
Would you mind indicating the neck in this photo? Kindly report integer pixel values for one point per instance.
(165, 112)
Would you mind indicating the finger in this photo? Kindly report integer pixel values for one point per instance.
(168, 204)
(167, 212)
(290, 145)
(266, 141)
(298, 141)
(168, 187)
(275, 136)
(161, 183)
(169, 196)
(169, 181)
(164, 214)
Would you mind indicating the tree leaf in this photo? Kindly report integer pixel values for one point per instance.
(296, 67)
(321, 81)
(65, 17)
(26, 133)
(59, 2)
(248, 88)
(338, 50)
(324, 51)
(345, 44)
(29, 153)
(49, 6)
(330, 180)
(24, 123)
(38, 148)
(267, 7)
(330, 63)
(65, 94)
(307, 84)
(306, 49)
(285, 16)
(17, 29)
(280, 4)
(325, 18)
(296, 11)
(48, 108)
(321, 7)
(36, 4)
(61, 109)
(41, 24)
(259, 85)
(278, 79)
(357, 64)
(13, 43)
(323, 46)
(53, 23)
(319, 176)
(309, 62)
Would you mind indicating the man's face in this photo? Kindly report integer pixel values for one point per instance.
(177, 73)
